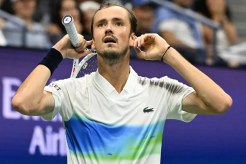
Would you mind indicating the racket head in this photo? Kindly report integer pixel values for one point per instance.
(85, 65)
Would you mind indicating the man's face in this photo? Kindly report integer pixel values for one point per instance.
(112, 33)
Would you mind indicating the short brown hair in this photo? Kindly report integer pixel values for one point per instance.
(132, 17)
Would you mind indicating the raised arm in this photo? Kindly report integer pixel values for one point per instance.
(208, 98)
(30, 98)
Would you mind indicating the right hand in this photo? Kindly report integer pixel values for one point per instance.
(65, 47)
(154, 46)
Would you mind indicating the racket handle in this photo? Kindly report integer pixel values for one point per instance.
(68, 23)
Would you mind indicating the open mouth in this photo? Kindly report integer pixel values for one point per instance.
(109, 39)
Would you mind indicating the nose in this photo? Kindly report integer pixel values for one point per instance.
(108, 29)
(108, 26)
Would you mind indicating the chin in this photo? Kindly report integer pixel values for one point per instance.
(110, 49)
(111, 52)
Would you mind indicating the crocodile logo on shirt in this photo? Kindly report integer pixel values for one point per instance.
(147, 110)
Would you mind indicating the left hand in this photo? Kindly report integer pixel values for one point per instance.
(68, 51)
(154, 46)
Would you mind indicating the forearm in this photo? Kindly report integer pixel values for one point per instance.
(208, 98)
(30, 98)
(207, 90)
(29, 95)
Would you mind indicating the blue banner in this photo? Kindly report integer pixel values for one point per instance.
(209, 139)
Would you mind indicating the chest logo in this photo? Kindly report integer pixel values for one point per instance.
(147, 110)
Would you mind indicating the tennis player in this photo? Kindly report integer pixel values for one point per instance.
(113, 115)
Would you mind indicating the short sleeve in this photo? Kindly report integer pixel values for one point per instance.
(60, 91)
(176, 92)
(57, 106)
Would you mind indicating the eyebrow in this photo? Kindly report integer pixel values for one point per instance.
(105, 20)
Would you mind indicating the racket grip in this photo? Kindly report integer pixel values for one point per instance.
(68, 23)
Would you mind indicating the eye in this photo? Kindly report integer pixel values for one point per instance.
(101, 24)
(118, 23)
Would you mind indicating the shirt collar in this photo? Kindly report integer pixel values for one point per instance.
(108, 88)
(131, 81)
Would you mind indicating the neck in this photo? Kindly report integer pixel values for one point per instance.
(116, 74)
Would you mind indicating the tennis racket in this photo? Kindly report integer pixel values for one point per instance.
(88, 63)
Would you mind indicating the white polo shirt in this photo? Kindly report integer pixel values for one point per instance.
(107, 127)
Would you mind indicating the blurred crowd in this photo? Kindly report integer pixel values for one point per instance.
(37, 24)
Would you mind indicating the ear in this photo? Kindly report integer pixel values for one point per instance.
(93, 45)
(132, 38)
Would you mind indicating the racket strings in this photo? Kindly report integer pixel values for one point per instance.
(89, 66)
